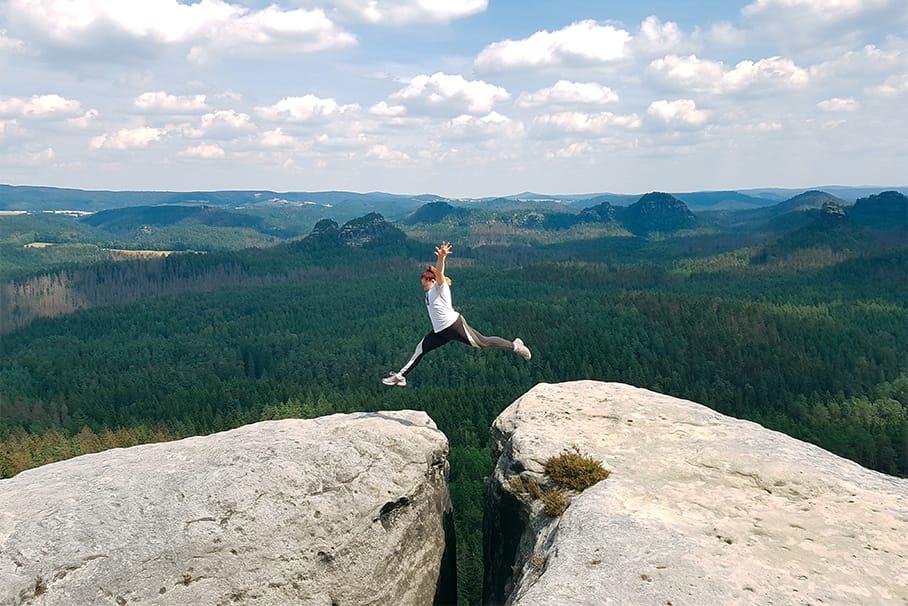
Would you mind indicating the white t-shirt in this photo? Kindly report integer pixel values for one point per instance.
(441, 310)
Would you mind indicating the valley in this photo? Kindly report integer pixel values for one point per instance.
(793, 314)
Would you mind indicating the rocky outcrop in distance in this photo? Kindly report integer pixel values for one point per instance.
(657, 212)
(364, 232)
(699, 509)
(335, 511)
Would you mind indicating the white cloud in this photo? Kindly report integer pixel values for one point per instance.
(838, 105)
(385, 110)
(759, 127)
(348, 143)
(128, 138)
(698, 75)
(815, 26)
(383, 152)
(591, 124)
(771, 71)
(10, 45)
(830, 124)
(39, 106)
(303, 109)
(574, 150)
(397, 12)
(273, 30)
(492, 125)
(277, 138)
(893, 86)
(585, 42)
(689, 73)
(8, 127)
(209, 28)
(162, 101)
(680, 111)
(35, 158)
(226, 122)
(442, 91)
(805, 13)
(204, 150)
(658, 37)
(565, 92)
(859, 64)
(85, 120)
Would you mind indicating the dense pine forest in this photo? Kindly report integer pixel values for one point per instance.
(801, 326)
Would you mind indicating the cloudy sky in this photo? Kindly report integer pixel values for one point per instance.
(453, 97)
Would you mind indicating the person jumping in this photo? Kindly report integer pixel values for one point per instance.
(447, 324)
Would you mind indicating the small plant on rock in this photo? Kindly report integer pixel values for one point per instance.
(554, 503)
(534, 489)
(573, 470)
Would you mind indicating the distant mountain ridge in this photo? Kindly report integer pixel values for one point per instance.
(262, 218)
(40, 198)
(653, 212)
(435, 212)
(887, 209)
(119, 220)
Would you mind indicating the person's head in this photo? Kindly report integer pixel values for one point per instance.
(428, 277)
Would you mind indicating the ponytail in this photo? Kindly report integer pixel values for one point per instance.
(431, 270)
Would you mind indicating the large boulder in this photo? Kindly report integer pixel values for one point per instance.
(699, 509)
(339, 510)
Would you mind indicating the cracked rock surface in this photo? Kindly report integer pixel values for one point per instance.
(343, 509)
(699, 509)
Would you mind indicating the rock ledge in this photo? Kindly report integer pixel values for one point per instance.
(699, 509)
(343, 509)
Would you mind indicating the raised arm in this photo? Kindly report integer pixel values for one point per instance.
(441, 252)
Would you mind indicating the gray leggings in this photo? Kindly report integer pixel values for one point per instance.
(458, 331)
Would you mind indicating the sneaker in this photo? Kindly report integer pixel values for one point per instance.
(521, 349)
(395, 378)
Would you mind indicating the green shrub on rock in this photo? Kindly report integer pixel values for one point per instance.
(574, 470)
(554, 502)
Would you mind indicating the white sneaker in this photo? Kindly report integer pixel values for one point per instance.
(395, 378)
(521, 349)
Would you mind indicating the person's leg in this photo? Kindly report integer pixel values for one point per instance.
(477, 339)
(431, 341)
(463, 332)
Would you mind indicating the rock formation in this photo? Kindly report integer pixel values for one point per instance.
(699, 509)
(370, 230)
(656, 212)
(340, 510)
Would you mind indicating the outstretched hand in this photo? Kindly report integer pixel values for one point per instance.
(444, 250)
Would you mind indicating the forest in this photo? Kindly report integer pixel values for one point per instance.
(802, 329)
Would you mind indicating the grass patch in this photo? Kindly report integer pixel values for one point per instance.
(575, 471)
(554, 502)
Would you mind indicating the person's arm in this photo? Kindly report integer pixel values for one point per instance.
(441, 252)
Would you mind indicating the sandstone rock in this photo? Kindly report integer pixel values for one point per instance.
(345, 509)
(699, 509)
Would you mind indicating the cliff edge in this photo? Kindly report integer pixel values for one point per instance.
(699, 509)
(343, 509)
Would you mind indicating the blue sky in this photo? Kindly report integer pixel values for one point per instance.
(454, 97)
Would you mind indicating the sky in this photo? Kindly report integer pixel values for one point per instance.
(460, 98)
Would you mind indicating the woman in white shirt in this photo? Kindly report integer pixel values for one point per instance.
(447, 324)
